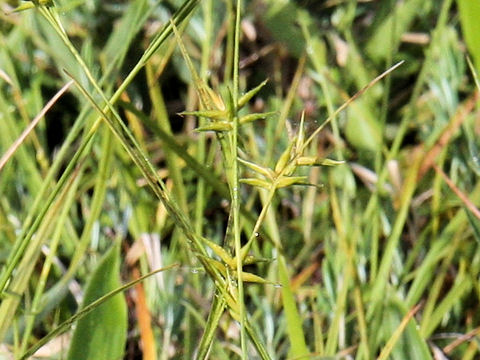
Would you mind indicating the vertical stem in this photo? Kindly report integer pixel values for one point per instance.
(200, 191)
(201, 151)
(230, 43)
(235, 182)
(236, 54)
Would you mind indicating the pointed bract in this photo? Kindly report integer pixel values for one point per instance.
(255, 116)
(284, 158)
(268, 173)
(244, 99)
(256, 182)
(292, 180)
(216, 126)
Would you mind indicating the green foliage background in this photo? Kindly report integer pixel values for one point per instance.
(360, 224)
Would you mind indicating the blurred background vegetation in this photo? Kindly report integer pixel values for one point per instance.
(382, 254)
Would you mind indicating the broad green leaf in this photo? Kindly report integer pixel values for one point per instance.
(388, 33)
(362, 129)
(102, 333)
(280, 20)
(469, 14)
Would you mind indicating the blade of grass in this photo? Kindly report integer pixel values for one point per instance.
(298, 346)
(386, 351)
(384, 269)
(344, 278)
(31, 223)
(99, 193)
(87, 309)
(9, 153)
(42, 282)
(466, 201)
(160, 190)
(411, 109)
(160, 109)
(27, 262)
(462, 285)
(216, 311)
(234, 180)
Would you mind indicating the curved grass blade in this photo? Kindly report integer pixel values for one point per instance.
(32, 223)
(405, 341)
(87, 309)
(216, 311)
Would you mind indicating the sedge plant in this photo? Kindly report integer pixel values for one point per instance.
(240, 269)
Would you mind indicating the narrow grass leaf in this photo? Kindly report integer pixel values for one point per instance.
(426, 271)
(474, 224)
(125, 30)
(216, 311)
(405, 341)
(25, 267)
(298, 346)
(392, 242)
(463, 284)
(86, 310)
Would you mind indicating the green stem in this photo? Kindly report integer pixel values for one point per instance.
(235, 183)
